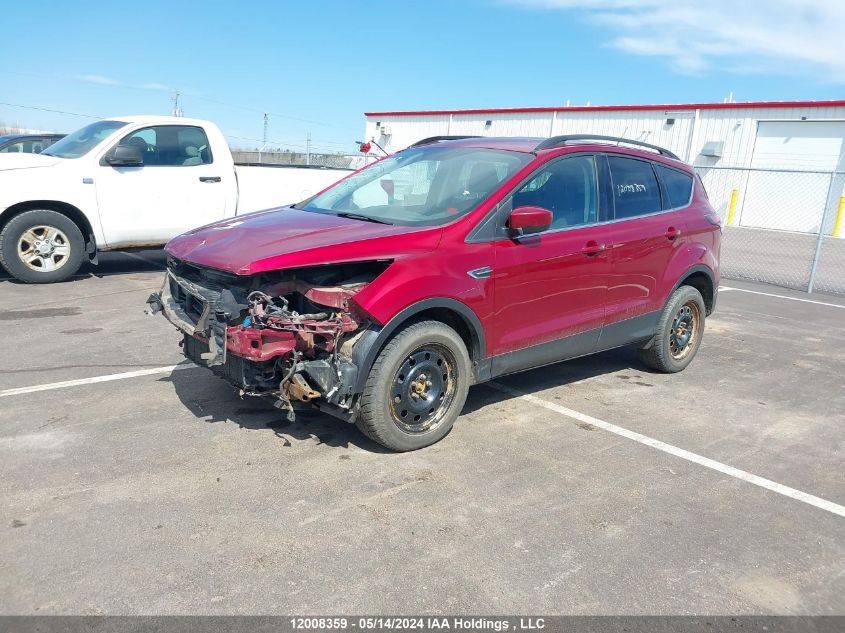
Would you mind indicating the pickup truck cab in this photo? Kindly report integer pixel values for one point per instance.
(133, 181)
(382, 299)
(27, 143)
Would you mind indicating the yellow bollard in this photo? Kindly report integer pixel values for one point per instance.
(837, 226)
(732, 208)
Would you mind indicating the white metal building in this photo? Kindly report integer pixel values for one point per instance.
(806, 136)
(781, 135)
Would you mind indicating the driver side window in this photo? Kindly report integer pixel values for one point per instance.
(567, 188)
(171, 145)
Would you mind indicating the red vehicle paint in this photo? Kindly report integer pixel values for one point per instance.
(531, 251)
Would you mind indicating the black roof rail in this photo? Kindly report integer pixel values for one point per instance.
(559, 141)
(436, 139)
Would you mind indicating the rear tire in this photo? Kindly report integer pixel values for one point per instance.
(679, 332)
(41, 246)
(416, 388)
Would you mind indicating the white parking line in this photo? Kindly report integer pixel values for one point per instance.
(95, 379)
(762, 482)
(768, 484)
(770, 294)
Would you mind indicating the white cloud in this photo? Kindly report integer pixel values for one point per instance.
(781, 36)
(108, 81)
(99, 79)
(156, 86)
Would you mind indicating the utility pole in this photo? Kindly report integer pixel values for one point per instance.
(308, 149)
(266, 120)
(263, 138)
(177, 111)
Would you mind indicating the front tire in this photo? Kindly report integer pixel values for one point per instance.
(416, 388)
(41, 246)
(679, 332)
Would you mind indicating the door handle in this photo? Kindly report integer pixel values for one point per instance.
(672, 233)
(593, 248)
(210, 179)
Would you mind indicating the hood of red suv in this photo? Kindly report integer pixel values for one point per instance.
(290, 238)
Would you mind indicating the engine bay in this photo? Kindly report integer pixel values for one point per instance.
(290, 335)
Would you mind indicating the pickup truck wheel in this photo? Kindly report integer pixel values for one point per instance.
(679, 332)
(41, 246)
(416, 387)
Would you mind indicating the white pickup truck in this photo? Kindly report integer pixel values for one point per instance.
(130, 182)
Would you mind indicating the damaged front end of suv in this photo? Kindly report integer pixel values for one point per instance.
(290, 335)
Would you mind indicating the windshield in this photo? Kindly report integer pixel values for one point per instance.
(83, 141)
(421, 186)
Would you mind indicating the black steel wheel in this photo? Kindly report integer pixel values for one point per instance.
(684, 330)
(423, 388)
(416, 387)
(679, 332)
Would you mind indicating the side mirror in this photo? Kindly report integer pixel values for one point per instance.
(527, 220)
(125, 156)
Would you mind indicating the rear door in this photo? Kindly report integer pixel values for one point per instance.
(550, 288)
(645, 232)
(179, 187)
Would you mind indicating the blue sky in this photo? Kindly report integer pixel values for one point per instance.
(317, 66)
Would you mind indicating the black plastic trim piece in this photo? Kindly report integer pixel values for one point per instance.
(586, 343)
(699, 268)
(545, 353)
(487, 230)
(560, 141)
(639, 328)
(368, 348)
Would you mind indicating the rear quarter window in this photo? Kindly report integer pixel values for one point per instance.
(677, 184)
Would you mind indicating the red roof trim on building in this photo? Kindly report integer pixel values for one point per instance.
(611, 108)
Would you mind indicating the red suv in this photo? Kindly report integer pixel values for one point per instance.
(382, 299)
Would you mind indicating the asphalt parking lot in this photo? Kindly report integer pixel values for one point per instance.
(608, 489)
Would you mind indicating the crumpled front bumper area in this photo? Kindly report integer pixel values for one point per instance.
(293, 341)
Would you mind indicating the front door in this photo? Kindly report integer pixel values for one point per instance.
(550, 287)
(178, 188)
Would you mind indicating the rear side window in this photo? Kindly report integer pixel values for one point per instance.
(678, 186)
(26, 146)
(635, 190)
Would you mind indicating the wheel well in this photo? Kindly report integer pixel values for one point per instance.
(455, 321)
(74, 214)
(466, 325)
(701, 281)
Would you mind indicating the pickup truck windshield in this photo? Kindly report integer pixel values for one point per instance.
(421, 186)
(83, 141)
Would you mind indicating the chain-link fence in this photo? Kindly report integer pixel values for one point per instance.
(341, 161)
(781, 227)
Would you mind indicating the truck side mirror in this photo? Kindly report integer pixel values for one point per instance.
(125, 156)
(526, 220)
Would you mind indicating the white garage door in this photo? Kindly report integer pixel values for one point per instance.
(811, 145)
(791, 201)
